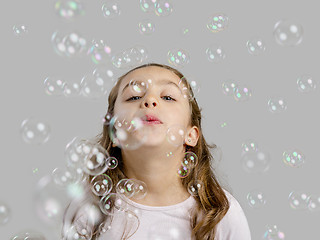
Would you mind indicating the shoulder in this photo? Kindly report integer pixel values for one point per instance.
(234, 225)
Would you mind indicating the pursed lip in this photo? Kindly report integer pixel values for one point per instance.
(151, 119)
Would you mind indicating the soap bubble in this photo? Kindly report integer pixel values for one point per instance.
(148, 5)
(273, 233)
(69, 9)
(314, 202)
(218, 22)
(163, 8)
(178, 57)
(293, 158)
(256, 46)
(255, 162)
(215, 53)
(298, 200)
(5, 213)
(64, 177)
(101, 185)
(306, 83)
(176, 135)
(28, 235)
(288, 33)
(146, 27)
(20, 30)
(277, 104)
(229, 86)
(194, 187)
(242, 93)
(249, 145)
(54, 86)
(256, 199)
(110, 9)
(100, 52)
(35, 131)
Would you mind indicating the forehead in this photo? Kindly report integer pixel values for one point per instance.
(156, 74)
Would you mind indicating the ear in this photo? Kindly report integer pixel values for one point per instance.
(192, 136)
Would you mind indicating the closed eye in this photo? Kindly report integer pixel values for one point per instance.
(133, 98)
(167, 98)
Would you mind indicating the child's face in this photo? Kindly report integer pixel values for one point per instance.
(162, 98)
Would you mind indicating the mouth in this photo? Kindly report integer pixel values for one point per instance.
(150, 119)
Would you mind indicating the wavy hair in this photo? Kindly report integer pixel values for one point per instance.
(211, 202)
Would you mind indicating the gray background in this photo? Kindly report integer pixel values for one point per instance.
(26, 62)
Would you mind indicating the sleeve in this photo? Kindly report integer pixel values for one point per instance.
(234, 225)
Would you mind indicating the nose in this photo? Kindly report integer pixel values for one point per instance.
(150, 102)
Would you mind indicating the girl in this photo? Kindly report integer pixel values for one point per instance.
(163, 186)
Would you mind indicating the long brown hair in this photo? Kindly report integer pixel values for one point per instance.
(211, 202)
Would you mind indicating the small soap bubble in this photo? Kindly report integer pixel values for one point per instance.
(298, 200)
(35, 131)
(215, 53)
(288, 33)
(20, 30)
(101, 185)
(229, 86)
(314, 202)
(146, 27)
(79, 231)
(185, 31)
(143, 51)
(5, 213)
(148, 5)
(293, 158)
(249, 145)
(194, 187)
(95, 161)
(217, 22)
(28, 235)
(176, 135)
(190, 160)
(54, 86)
(57, 40)
(140, 189)
(273, 233)
(112, 162)
(256, 46)
(183, 171)
(99, 52)
(69, 9)
(242, 93)
(64, 177)
(125, 187)
(306, 84)
(178, 57)
(71, 89)
(277, 104)
(255, 162)
(74, 44)
(110, 9)
(256, 199)
(163, 8)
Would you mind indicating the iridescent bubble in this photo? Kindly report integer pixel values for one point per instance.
(242, 93)
(69, 9)
(298, 200)
(194, 187)
(74, 152)
(71, 89)
(54, 86)
(111, 9)
(35, 131)
(147, 5)
(306, 83)
(176, 135)
(314, 202)
(195, 86)
(58, 43)
(125, 187)
(215, 53)
(140, 189)
(293, 158)
(256, 199)
(190, 160)
(288, 33)
(74, 44)
(143, 51)
(277, 104)
(146, 27)
(5, 213)
(112, 162)
(20, 30)
(183, 171)
(101, 185)
(217, 22)
(256, 46)
(273, 233)
(172, 231)
(183, 84)
(178, 57)
(95, 162)
(79, 231)
(229, 86)
(64, 177)
(100, 52)
(163, 8)
(255, 162)
(249, 145)
(112, 203)
(28, 235)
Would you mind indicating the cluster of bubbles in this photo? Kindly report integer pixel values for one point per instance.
(35, 131)
(178, 57)
(130, 57)
(20, 30)
(146, 27)
(306, 83)
(293, 158)
(254, 160)
(69, 9)
(218, 22)
(256, 46)
(215, 53)
(239, 92)
(288, 33)
(299, 200)
(273, 233)
(68, 44)
(161, 8)
(277, 104)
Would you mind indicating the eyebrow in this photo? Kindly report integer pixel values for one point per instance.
(161, 82)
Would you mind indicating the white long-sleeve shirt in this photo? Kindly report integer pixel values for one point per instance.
(173, 222)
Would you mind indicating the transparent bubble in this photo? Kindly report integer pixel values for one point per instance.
(146, 27)
(95, 86)
(298, 200)
(215, 53)
(58, 43)
(194, 187)
(101, 185)
(111, 9)
(130, 57)
(185, 31)
(273, 233)
(69, 9)
(256, 46)
(195, 85)
(277, 104)
(54, 86)
(71, 89)
(163, 8)
(29, 235)
(178, 57)
(74, 44)
(176, 135)
(5, 213)
(143, 51)
(126, 187)
(105, 226)
(35, 131)
(172, 231)
(242, 93)
(78, 232)
(112, 162)
(64, 177)
(229, 86)
(256, 199)
(190, 160)
(140, 189)
(112, 203)
(183, 84)
(293, 158)
(20, 30)
(314, 202)
(183, 171)
(249, 145)
(99, 52)
(147, 5)
(74, 154)
(306, 84)
(95, 162)
(218, 22)
(288, 33)
(255, 162)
